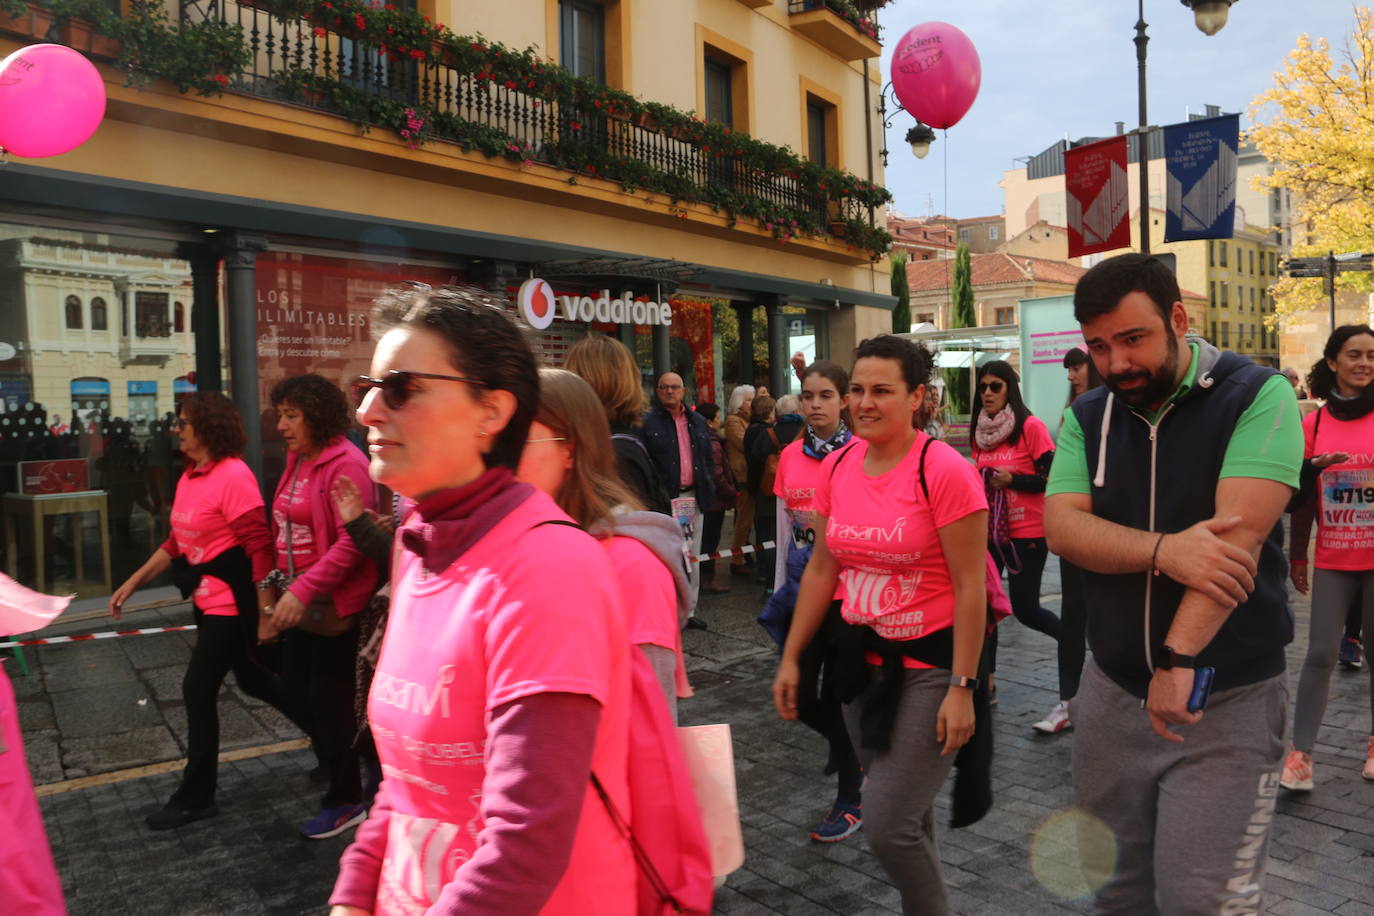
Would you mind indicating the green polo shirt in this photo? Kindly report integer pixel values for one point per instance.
(1266, 443)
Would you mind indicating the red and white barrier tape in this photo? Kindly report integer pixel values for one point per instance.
(747, 548)
(87, 637)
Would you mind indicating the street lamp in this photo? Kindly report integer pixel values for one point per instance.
(920, 136)
(1210, 16)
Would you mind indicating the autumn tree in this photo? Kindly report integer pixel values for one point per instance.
(1316, 126)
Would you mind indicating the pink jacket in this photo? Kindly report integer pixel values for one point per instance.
(341, 571)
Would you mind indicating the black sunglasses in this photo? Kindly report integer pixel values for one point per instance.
(396, 387)
(994, 387)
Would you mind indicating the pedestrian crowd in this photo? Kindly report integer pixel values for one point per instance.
(479, 622)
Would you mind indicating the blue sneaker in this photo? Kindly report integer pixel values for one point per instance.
(332, 821)
(1351, 650)
(842, 821)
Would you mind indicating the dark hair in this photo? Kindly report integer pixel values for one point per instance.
(708, 411)
(484, 344)
(327, 415)
(830, 371)
(914, 359)
(1321, 381)
(1102, 288)
(762, 408)
(1000, 368)
(1076, 357)
(217, 422)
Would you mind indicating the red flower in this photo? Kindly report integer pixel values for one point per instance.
(221, 79)
(510, 84)
(359, 21)
(319, 32)
(417, 54)
(327, 5)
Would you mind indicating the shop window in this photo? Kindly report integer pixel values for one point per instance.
(178, 318)
(73, 313)
(100, 315)
(150, 315)
(582, 38)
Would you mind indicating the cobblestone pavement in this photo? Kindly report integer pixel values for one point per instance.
(104, 707)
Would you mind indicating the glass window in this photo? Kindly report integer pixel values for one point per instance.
(1252, 260)
(100, 315)
(150, 315)
(963, 235)
(1226, 333)
(1222, 247)
(582, 38)
(73, 313)
(720, 96)
(815, 133)
(994, 233)
(1211, 253)
(178, 318)
(1005, 315)
(1225, 296)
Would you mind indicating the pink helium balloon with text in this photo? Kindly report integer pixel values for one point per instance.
(936, 73)
(51, 100)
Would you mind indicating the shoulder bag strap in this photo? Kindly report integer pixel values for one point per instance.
(665, 893)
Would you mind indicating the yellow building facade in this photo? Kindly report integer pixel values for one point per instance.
(718, 157)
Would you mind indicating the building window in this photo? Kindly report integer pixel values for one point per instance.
(178, 318)
(1226, 333)
(993, 233)
(582, 38)
(1252, 297)
(1222, 247)
(73, 313)
(100, 315)
(720, 92)
(925, 318)
(1211, 253)
(817, 147)
(963, 235)
(1225, 296)
(1271, 263)
(1213, 336)
(1252, 261)
(1004, 315)
(150, 315)
(1212, 294)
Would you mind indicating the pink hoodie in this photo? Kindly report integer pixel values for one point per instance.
(341, 571)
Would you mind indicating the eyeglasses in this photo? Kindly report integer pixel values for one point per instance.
(994, 387)
(547, 439)
(669, 387)
(396, 390)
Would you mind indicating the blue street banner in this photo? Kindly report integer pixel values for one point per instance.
(1201, 158)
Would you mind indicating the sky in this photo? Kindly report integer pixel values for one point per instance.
(1056, 67)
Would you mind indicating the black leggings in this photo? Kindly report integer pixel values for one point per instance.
(319, 679)
(220, 648)
(1023, 589)
(818, 708)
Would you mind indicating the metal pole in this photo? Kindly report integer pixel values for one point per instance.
(1143, 156)
(240, 253)
(1331, 285)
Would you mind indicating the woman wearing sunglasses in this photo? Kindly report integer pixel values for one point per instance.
(568, 456)
(1013, 451)
(503, 683)
(218, 548)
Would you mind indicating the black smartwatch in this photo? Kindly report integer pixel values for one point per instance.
(1168, 658)
(958, 680)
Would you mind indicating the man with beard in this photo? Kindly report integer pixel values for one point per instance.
(1166, 489)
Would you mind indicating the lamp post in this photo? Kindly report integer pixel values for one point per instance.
(920, 136)
(1210, 17)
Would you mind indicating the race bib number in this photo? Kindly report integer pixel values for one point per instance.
(1348, 497)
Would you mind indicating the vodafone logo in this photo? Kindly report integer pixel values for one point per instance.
(537, 302)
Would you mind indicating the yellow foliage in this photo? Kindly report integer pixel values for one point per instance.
(1316, 125)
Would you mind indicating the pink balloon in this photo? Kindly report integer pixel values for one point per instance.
(936, 73)
(51, 100)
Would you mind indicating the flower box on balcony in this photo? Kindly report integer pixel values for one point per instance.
(756, 4)
(34, 22)
(75, 34)
(105, 47)
(829, 30)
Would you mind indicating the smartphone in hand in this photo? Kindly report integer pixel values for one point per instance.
(1202, 688)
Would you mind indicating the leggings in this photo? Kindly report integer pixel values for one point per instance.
(1023, 588)
(818, 708)
(319, 681)
(1332, 592)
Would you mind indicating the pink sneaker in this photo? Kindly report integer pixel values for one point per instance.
(1297, 772)
(1369, 760)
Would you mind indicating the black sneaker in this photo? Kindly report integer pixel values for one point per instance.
(173, 815)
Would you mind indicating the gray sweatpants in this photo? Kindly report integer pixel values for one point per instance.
(1332, 592)
(899, 797)
(1191, 820)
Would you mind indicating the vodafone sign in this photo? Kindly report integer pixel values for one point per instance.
(537, 305)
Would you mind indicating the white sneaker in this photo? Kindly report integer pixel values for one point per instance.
(1057, 720)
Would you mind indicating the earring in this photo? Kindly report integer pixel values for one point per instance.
(481, 434)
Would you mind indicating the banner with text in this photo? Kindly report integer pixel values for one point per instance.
(1201, 158)
(1098, 197)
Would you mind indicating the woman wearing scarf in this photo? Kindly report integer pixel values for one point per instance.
(504, 681)
(1338, 486)
(800, 471)
(1013, 451)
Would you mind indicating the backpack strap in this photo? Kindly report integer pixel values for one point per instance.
(622, 826)
(558, 521)
(925, 490)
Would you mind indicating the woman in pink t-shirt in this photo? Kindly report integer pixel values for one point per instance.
(321, 575)
(1013, 452)
(503, 683)
(568, 456)
(901, 523)
(217, 521)
(1339, 454)
(801, 472)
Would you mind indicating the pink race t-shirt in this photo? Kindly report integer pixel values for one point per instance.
(293, 502)
(529, 609)
(207, 500)
(798, 478)
(884, 534)
(1345, 511)
(1025, 511)
(647, 593)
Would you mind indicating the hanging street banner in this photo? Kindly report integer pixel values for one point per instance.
(1098, 197)
(1201, 157)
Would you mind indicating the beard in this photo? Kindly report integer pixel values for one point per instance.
(1158, 384)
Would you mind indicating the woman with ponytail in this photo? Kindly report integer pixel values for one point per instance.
(1338, 487)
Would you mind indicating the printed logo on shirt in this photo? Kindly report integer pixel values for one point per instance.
(798, 494)
(874, 593)
(865, 532)
(412, 696)
(423, 854)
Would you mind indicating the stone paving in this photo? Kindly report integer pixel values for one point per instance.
(106, 706)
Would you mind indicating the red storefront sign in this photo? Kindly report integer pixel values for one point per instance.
(62, 475)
